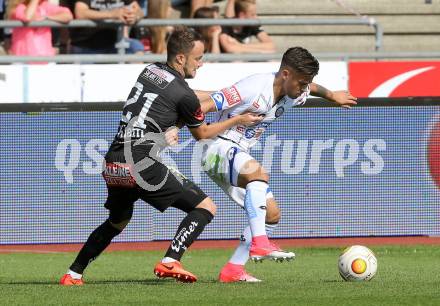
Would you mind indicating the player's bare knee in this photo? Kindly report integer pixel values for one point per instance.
(273, 212)
(273, 217)
(264, 176)
(252, 171)
(209, 205)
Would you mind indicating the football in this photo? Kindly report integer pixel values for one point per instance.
(357, 263)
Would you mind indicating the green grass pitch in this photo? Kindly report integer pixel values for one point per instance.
(407, 275)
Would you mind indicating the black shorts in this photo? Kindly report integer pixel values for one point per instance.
(175, 189)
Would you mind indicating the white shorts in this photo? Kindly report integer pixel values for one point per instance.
(222, 161)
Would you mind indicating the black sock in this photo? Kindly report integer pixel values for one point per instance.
(189, 229)
(98, 240)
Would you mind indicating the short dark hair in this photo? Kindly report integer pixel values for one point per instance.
(242, 5)
(300, 60)
(206, 11)
(182, 40)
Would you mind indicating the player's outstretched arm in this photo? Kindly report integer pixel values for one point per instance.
(342, 98)
(208, 105)
(202, 94)
(206, 102)
(207, 131)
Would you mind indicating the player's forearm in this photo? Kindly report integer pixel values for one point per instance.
(203, 94)
(208, 106)
(206, 131)
(322, 92)
(214, 129)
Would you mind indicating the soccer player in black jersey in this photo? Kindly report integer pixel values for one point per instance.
(159, 101)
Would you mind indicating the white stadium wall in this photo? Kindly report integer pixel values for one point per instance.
(111, 83)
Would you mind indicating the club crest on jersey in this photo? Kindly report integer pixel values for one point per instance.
(279, 111)
(232, 96)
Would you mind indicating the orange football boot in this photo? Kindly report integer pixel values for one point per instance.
(174, 270)
(67, 280)
(232, 273)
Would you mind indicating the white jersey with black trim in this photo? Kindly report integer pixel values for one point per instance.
(251, 94)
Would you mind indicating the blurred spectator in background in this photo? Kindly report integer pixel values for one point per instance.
(237, 39)
(64, 33)
(103, 40)
(194, 4)
(2, 8)
(210, 34)
(2, 35)
(34, 41)
(158, 9)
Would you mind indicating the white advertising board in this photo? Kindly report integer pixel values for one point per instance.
(214, 76)
(11, 83)
(113, 82)
(53, 83)
(108, 83)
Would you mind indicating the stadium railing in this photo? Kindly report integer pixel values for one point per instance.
(121, 57)
(116, 58)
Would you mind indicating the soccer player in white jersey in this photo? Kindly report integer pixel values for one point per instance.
(227, 161)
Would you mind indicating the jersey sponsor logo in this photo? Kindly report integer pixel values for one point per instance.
(118, 175)
(240, 129)
(264, 124)
(219, 99)
(232, 95)
(179, 241)
(199, 115)
(249, 133)
(261, 101)
(125, 132)
(157, 76)
(254, 132)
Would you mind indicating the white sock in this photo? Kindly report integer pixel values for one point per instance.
(241, 253)
(168, 260)
(270, 228)
(255, 206)
(74, 274)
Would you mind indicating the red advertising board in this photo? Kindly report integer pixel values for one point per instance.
(394, 79)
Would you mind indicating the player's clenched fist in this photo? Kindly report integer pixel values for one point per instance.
(250, 119)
